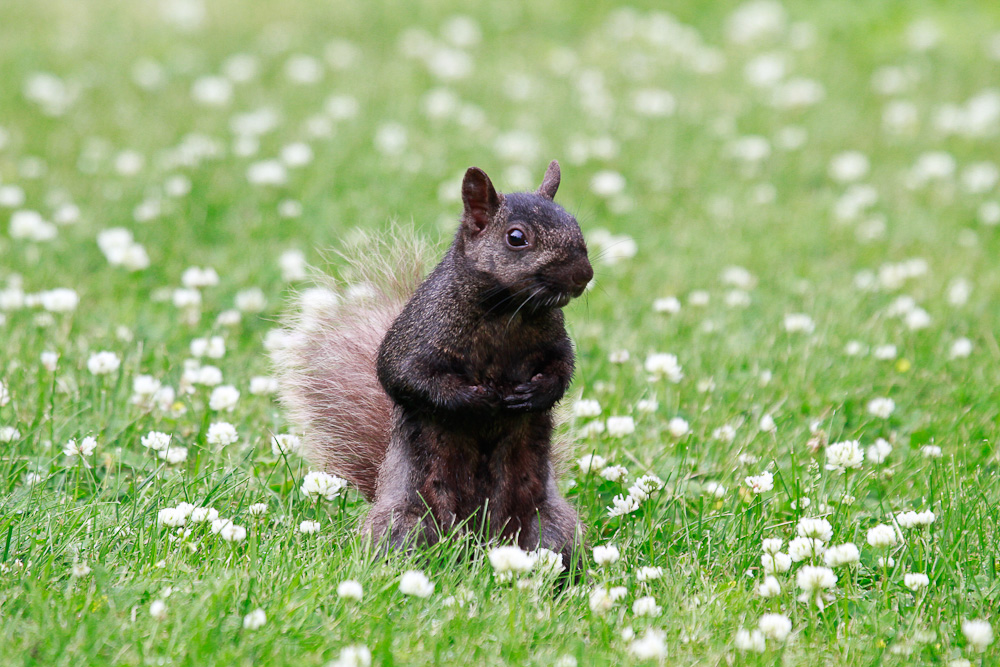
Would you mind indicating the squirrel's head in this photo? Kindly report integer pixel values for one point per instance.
(528, 246)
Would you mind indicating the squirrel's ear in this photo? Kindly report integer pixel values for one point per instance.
(480, 198)
(550, 183)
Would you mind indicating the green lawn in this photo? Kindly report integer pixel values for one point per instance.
(815, 185)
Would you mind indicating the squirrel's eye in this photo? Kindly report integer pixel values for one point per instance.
(516, 238)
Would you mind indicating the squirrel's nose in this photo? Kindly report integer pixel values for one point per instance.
(582, 275)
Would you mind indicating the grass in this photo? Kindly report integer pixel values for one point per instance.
(547, 80)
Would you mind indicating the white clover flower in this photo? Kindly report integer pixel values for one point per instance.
(804, 548)
(606, 555)
(881, 407)
(772, 545)
(156, 441)
(647, 405)
(158, 610)
(86, 447)
(607, 183)
(841, 456)
(221, 433)
(228, 530)
(262, 386)
(714, 489)
(350, 590)
(978, 632)
(777, 562)
(204, 514)
(602, 599)
(144, 387)
(592, 429)
(174, 455)
(208, 376)
(592, 463)
(255, 619)
(767, 424)
(882, 536)
(886, 561)
(185, 508)
(224, 398)
(614, 473)
(293, 265)
(214, 347)
(651, 646)
(725, 433)
(391, 139)
(769, 588)
(622, 505)
(547, 562)
(885, 352)
(9, 434)
(620, 426)
(931, 451)
(415, 583)
(916, 581)
(879, 452)
(819, 529)
(761, 483)
(195, 277)
(49, 362)
(750, 640)
(59, 300)
(775, 626)
(814, 581)
(251, 300)
(214, 91)
(848, 166)
(911, 519)
(960, 349)
(646, 606)
(285, 443)
(257, 509)
(647, 573)
(80, 570)
(321, 484)
(172, 517)
(799, 323)
(186, 299)
(103, 363)
(855, 348)
(309, 527)
(664, 365)
(586, 408)
(670, 305)
(917, 319)
(353, 656)
(510, 559)
(678, 427)
(619, 356)
(645, 486)
(842, 554)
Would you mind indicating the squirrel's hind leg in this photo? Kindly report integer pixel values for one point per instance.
(398, 519)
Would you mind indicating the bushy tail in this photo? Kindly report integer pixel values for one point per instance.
(326, 365)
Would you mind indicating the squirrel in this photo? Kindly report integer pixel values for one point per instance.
(437, 402)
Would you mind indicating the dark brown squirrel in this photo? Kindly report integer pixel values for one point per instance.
(457, 428)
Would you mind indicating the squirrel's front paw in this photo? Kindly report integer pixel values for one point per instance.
(479, 396)
(536, 395)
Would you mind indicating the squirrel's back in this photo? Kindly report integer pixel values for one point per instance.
(326, 364)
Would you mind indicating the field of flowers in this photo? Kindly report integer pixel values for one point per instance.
(787, 395)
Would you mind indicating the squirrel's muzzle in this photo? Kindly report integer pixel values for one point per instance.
(580, 276)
